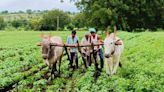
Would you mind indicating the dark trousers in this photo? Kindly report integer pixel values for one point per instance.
(86, 59)
(101, 55)
(74, 56)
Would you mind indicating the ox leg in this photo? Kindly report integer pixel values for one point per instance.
(116, 64)
(111, 65)
(88, 60)
(55, 68)
(107, 67)
(120, 65)
(52, 71)
(47, 63)
(60, 64)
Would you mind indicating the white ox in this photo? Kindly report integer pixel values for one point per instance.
(113, 50)
(52, 54)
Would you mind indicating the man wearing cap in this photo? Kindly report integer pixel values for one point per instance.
(94, 38)
(101, 54)
(72, 40)
(85, 50)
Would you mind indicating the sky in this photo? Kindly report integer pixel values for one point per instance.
(16, 5)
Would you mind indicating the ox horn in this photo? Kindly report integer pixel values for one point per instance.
(115, 32)
(106, 31)
(49, 36)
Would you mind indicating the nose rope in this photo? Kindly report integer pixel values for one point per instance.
(50, 54)
(113, 51)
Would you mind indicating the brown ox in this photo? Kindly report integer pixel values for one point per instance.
(52, 54)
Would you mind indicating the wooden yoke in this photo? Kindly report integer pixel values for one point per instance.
(70, 45)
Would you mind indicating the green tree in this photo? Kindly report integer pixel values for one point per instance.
(126, 14)
(101, 13)
(2, 23)
(5, 12)
(19, 23)
(50, 19)
(144, 13)
(29, 11)
(36, 23)
(79, 20)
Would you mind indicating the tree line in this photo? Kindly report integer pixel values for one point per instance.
(127, 15)
(47, 20)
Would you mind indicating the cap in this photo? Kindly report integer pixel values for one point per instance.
(92, 30)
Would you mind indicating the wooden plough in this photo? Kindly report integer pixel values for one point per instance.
(78, 45)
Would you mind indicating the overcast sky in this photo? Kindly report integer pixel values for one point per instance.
(16, 5)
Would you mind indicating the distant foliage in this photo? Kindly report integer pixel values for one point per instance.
(126, 14)
(79, 20)
(19, 23)
(36, 23)
(50, 19)
(45, 20)
(2, 23)
(5, 12)
(70, 26)
(29, 11)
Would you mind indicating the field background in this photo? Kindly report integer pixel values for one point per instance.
(22, 68)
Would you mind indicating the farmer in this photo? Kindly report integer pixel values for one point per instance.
(85, 50)
(101, 54)
(94, 38)
(72, 40)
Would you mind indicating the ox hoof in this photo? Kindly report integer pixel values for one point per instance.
(114, 73)
(56, 74)
(108, 74)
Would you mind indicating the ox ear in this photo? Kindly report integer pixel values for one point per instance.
(42, 35)
(107, 33)
(49, 36)
(114, 36)
(118, 42)
(115, 32)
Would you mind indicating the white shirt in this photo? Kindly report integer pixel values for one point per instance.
(94, 41)
(85, 49)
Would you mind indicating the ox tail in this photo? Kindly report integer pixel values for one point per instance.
(59, 65)
(120, 65)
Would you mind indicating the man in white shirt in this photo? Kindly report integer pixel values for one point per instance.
(85, 50)
(94, 38)
(72, 40)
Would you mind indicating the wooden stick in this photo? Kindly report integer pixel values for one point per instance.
(70, 45)
(80, 45)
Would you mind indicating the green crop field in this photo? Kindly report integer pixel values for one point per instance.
(22, 68)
